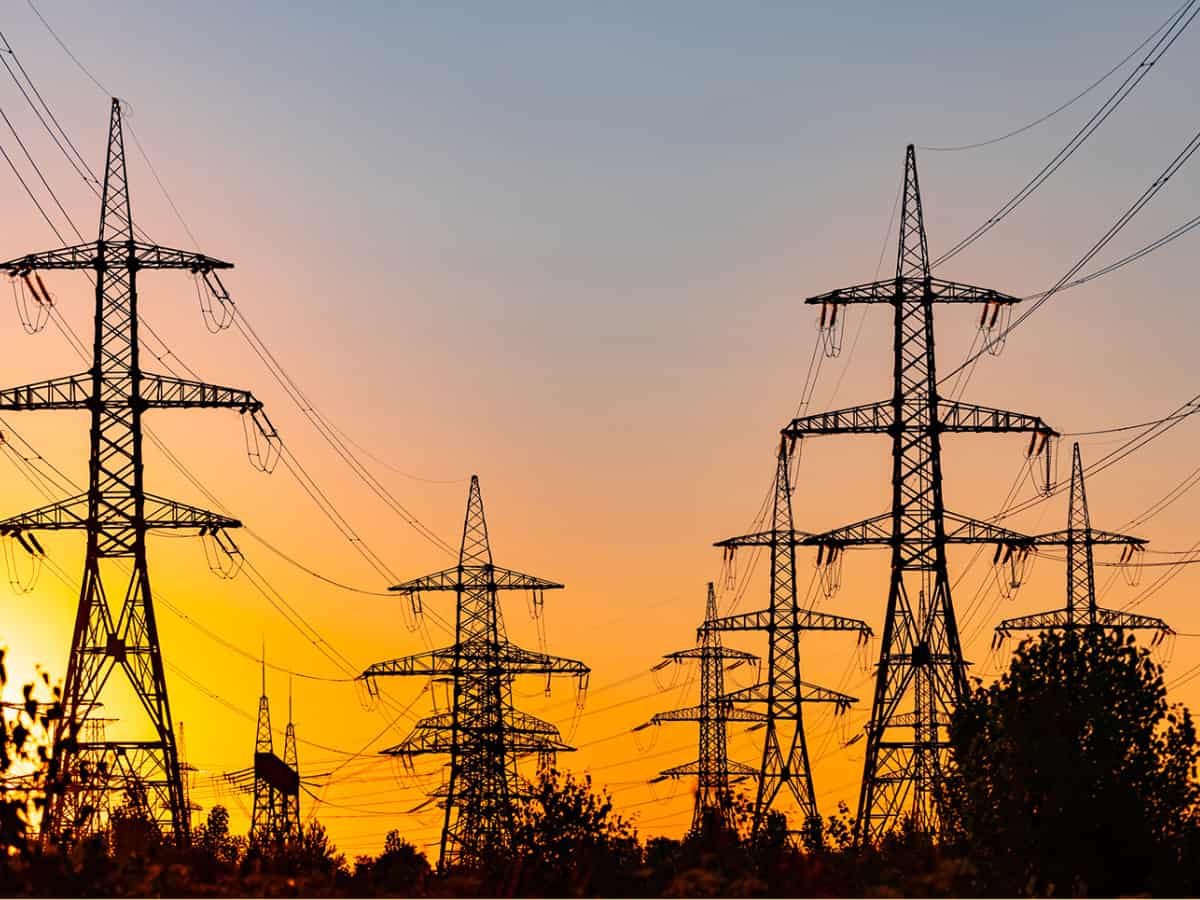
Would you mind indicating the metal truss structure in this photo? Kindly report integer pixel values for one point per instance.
(116, 513)
(713, 769)
(785, 751)
(482, 732)
(921, 672)
(1082, 610)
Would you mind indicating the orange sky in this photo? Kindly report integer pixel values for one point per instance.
(587, 290)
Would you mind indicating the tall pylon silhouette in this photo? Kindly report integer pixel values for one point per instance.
(1082, 610)
(785, 759)
(713, 769)
(116, 513)
(483, 733)
(921, 672)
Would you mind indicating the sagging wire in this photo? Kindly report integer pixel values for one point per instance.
(413, 612)
(29, 543)
(832, 330)
(829, 568)
(1131, 565)
(264, 447)
(658, 682)
(213, 290)
(36, 313)
(995, 314)
(644, 747)
(223, 556)
(1010, 566)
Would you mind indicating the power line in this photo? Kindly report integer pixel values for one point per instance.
(1124, 219)
(1176, 25)
(1054, 112)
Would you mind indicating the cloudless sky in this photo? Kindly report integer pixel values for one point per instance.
(564, 246)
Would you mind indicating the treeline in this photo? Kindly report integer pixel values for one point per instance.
(1069, 776)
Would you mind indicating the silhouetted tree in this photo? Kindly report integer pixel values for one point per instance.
(1072, 774)
(570, 843)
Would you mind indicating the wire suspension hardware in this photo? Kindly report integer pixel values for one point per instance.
(480, 729)
(921, 671)
(116, 513)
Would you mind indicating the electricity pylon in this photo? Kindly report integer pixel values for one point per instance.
(713, 768)
(116, 513)
(483, 732)
(273, 783)
(1082, 610)
(921, 672)
(785, 749)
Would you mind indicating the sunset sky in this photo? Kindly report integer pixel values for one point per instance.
(566, 248)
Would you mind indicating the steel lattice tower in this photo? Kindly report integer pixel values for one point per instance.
(713, 768)
(483, 733)
(116, 513)
(921, 672)
(785, 750)
(1082, 610)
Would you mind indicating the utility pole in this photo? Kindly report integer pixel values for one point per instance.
(713, 768)
(921, 672)
(116, 513)
(785, 750)
(483, 733)
(1082, 611)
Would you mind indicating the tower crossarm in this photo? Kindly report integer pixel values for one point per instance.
(960, 529)
(1105, 618)
(954, 415)
(168, 392)
(158, 391)
(699, 713)
(1091, 536)
(519, 661)
(733, 768)
(73, 513)
(720, 653)
(93, 255)
(939, 290)
(880, 418)
(763, 539)
(432, 662)
(69, 392)
(806, 620)
(525, 734)
(473, 657)
(805, 693)
(472, 577)
(869, 418)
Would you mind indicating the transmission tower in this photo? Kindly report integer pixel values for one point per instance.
(713, 768)
(116, 513)
(275, 817)
(785, 751)
(1081, 610)
(482, 732)
(921, 672)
